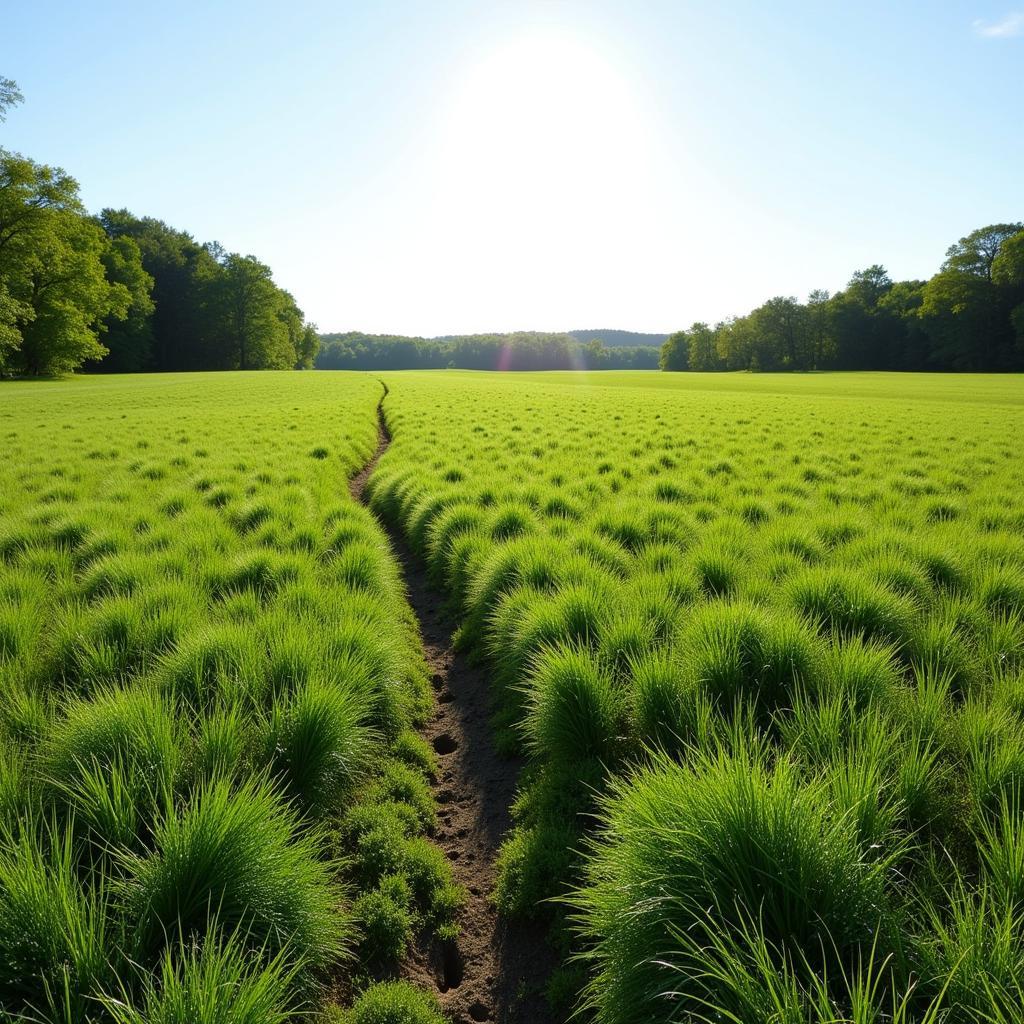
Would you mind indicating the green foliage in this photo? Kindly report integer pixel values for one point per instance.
(385, 917)
(318, 745)
(966, 317)
(129, 339)
(781, 623)
(196, 700)
(129, 293)
(706, 849)
(60, 944)
(571, 706)
(234, 857)
(10, 96)
(522, 350)
(210, 983)
(764, 639)
(54, 293)
(393, 1002)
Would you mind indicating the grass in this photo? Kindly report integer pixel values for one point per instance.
(395, 1002)
(762, 843)
(206, 664)
(775, 623)
(210, 983)
(761, 640)
(232, 859)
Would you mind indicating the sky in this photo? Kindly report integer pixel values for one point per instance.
(452, 167)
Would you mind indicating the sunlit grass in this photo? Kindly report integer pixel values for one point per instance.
(784, 612)
(206, 663)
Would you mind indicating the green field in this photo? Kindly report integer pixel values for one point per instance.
(760, 639)
(210, 790)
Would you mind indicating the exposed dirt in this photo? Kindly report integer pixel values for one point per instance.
(496, 970)
(357, 483)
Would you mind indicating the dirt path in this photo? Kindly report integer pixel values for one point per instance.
(496, 971)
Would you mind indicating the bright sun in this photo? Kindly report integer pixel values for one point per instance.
(538, 136)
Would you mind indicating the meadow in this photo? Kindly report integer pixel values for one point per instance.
(213, 800)
(759, 638)
(762, 640)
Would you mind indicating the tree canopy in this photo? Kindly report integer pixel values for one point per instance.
(969, 316)
(124, 293)
(524, 350)
(213, 309)
(55, 295)
(10, 96)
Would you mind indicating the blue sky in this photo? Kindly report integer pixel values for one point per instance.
(450, 167)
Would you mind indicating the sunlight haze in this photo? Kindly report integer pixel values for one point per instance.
(449, 168)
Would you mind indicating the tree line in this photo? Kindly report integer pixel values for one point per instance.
(969, 316)
(525, 350)
(124, 293)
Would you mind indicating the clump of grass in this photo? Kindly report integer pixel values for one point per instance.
(262, 573)
(624, 639)
(525, 622)
(665, 702)
(971, 955)
(572, 707)
(318, 745)
(232, 860)
(455, 522)
(363, 566)
(385, 845)
(385, 917)
(718, 571)
(991, 741)
(207, 666)
(698, 851)
(400, 782)
(863, 672)
(846, 602)
(224, 745)
(745, 977)
(115, 575)
(393, 1002)
(535, 864)
(111, 760)
(60, 945)
(113, 639)
(210, 982)
(539, 859)
(511, 521)
(739, 652)
(524, 561)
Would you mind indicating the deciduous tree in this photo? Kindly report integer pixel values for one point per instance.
(55, 293)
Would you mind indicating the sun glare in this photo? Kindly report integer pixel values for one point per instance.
(543, 149)
(549, 122)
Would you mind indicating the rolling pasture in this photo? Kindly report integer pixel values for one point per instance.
(762, 640)
(213, 804)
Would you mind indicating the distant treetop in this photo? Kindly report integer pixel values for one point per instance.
(620, 339)
(10, 96)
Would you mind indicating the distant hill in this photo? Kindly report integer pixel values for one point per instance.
(620, 339)
(522, 350)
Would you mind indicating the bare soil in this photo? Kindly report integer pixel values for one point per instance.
(497, 969)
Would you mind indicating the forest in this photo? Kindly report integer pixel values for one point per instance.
(968, 317)
(121, 293)
(522, 350)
